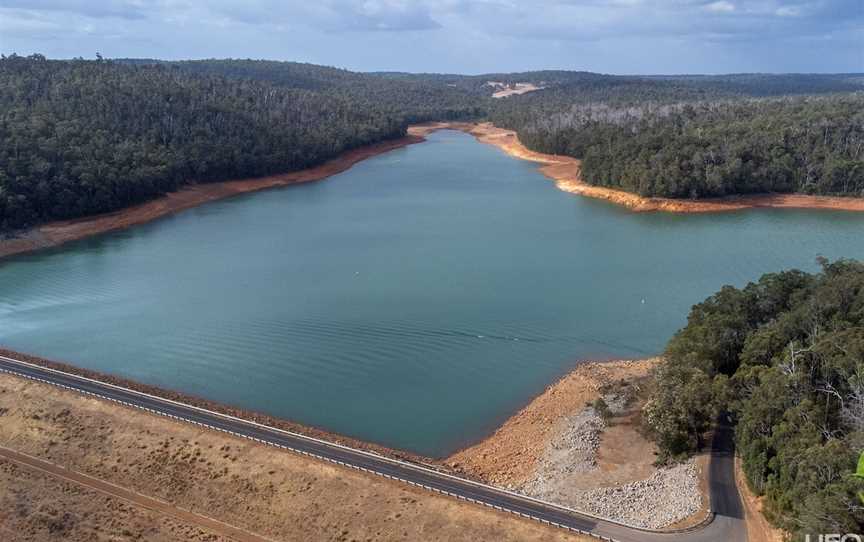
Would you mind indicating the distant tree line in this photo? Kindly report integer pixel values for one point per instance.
(409, 100)
(812, 145)
(785, 357)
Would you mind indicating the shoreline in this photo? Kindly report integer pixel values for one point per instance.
(56, 233)
(515, 457)
(558, 394)
(564, 170)
(224, 408)
(508, 455)
(560, 449)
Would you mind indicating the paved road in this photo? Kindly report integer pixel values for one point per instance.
(726, 526)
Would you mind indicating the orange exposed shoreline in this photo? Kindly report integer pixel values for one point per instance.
(59, 232)
(564, 170)
(509, 455)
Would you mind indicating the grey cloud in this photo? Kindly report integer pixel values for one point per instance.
(388, 15)
(598, 19)
(333, 15)
(629, 36)
(130, 9)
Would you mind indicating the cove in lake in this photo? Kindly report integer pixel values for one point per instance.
(416, 300)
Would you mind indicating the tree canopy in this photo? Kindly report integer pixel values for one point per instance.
(785, 356)
(811, 145)
(88, 137)
(83, 137)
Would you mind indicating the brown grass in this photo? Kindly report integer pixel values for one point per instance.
(260, 489)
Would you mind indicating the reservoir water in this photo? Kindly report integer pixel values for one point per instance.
(415, 300)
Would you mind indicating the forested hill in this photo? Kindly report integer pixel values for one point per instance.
(85, 137)
(678, 136)
(80, 137)
(785, 357)
(811, 145)
(560, 86)
(410, 101)
(700, 136)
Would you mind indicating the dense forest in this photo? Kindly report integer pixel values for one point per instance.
(813, 145)
(568, 87)
(84, 137)
(409, 101)
(784, 356)
(87, 136)
(699, 136)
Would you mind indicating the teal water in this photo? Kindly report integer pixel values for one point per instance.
(415, 300)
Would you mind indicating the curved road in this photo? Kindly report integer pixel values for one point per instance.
(727, 524)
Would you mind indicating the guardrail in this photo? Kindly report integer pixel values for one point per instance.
(707, 520)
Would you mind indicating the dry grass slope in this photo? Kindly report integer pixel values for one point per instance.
(260, 489)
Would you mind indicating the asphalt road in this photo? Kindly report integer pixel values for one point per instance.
(727, 524)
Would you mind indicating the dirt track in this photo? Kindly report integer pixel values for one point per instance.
(137, 499)
(259, 489)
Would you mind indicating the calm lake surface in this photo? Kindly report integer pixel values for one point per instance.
(416, 300)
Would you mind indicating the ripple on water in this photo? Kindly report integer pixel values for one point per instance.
(412, 300)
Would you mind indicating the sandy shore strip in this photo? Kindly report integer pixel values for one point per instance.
(562, 449)
(564, 170)
(509, 456)
(59, 232)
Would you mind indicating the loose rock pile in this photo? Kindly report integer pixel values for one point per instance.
(574, 449)
(669, 495)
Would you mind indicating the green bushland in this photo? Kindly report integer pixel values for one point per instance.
(696, 149)
(81, 137)
(784, 357)
(85, 137)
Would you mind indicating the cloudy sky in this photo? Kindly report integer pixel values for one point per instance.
(465, 36)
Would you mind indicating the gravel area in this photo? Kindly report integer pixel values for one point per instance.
(574, 448)
(666, 497)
